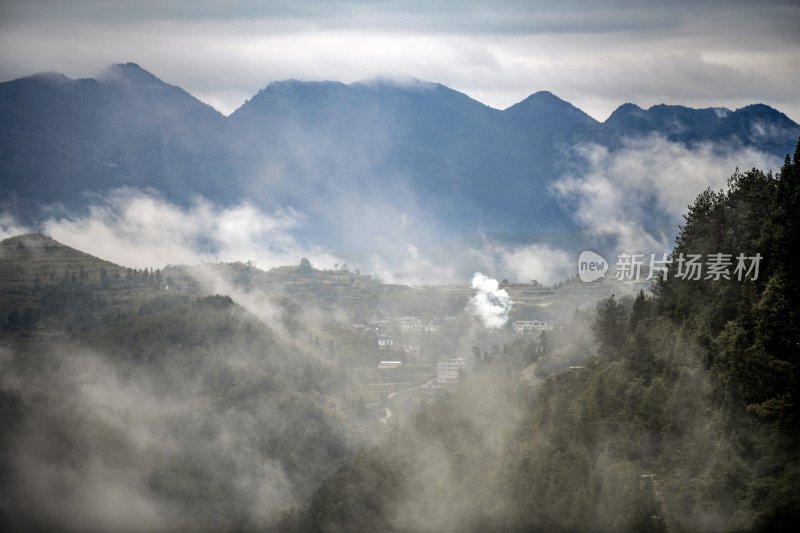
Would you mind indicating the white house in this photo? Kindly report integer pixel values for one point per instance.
(431, 327)
(447, 372)
(384, 341)
(378, 319)
(412, 349)
(526, 327)
(410, 323)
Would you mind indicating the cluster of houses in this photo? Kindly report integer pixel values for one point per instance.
(380, 321)
(375, 328)
(385, 341)
(529, 327)
(448, 372)
(411, 348)
(414, 324)
(375, 325)
(380, 324)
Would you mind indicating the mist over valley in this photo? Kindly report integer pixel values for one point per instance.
(376, 267)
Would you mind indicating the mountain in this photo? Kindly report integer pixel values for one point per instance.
(548, 114)
(384, 140)
(755, 125)
(682, 414)
(97, 368)
(25, 258)
(336, 152)
(61, 137)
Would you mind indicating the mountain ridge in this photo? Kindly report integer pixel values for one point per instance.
(325, 148)
(132, 71)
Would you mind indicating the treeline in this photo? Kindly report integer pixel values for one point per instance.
(71, 306)
(117, 277)
(685, 419)
(74, 301)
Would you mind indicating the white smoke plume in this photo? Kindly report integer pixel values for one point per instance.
(490, 303)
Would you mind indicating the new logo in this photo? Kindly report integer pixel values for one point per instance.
(591, 266)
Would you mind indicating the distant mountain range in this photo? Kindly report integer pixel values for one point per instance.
(328, 149)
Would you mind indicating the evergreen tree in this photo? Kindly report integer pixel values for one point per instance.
(610, 327)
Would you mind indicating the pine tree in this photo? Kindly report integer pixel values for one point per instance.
(610, 327)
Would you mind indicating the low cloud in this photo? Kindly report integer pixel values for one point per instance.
(10, 227)
(630, 199)
(139, 229)
(98, 464)
(408, 265)
(519, 263)
(539, 262)
(636, 194)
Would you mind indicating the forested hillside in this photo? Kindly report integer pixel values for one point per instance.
(127, 405)
(137, 397)
(684, 419)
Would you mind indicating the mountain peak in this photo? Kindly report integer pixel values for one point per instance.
(293, 83)
(541, 100)
(27, 238)
(39, 244)
(399, 82)
(544, 105)
(765, 111)
(129, 72)
(51, 76)
(544, 96)
(627, 107)
(33, 258)
(296, 87)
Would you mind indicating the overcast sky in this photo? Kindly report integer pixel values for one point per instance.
(596, 55)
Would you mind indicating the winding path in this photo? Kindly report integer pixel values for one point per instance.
(388, 415)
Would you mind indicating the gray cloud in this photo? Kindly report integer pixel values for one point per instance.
(621, 194)
(474, 16)
(10, 226)
(139, 229)
(133, 425)
(700, 54)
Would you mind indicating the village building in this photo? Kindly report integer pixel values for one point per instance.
(384, 341)
(410, 323)
(414, 324)
(528, 327)
(378, 319)
(448, 372)
(431, 327)
(411, 349)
